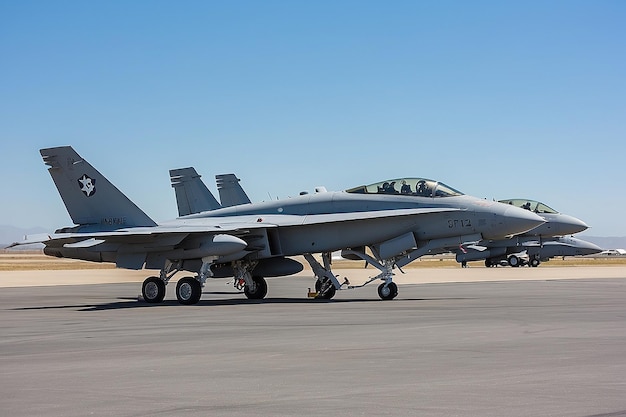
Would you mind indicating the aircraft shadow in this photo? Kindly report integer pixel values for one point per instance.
(216, 303)
(130, 302)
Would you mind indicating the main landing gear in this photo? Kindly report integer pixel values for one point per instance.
(153, 290)
(189, 289)
(325, 288)
(327, 284)
(254, 287)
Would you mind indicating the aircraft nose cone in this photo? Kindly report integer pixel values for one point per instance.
(570, 225)
(588, 248)
(518, 220)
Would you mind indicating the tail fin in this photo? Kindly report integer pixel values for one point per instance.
(192, 196)
(90, 199)
(231, 193)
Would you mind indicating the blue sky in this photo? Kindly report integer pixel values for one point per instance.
(497, 99)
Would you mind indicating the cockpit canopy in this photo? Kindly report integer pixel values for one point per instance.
(532, 205)
(421, 187)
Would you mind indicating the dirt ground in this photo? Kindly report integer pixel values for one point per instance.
(37, 261)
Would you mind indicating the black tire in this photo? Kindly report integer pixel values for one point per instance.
(325, 289)
(388, 291)
(188, 291)
(153, 290)
(534, 263)
(259, 291)
(514, 261)
(488, 263)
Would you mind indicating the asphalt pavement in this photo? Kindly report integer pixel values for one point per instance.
(518, 348)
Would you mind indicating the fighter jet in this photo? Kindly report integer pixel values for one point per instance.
(541, 243)
(253, 241)
(186, 182)
(560, 246)
(535, 246)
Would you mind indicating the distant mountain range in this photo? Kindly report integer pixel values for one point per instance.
(10, 234)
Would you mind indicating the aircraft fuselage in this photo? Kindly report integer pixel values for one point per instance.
(458, 216)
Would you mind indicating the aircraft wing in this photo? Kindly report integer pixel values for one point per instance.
(30, 239)
(160, 235)
(175, 233)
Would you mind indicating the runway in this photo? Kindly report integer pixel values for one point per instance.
(543, 347)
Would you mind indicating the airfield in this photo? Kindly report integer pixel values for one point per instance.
(547, 341)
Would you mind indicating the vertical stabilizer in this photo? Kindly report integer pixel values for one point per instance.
(231, 193)
(90, 199)
(192, 195)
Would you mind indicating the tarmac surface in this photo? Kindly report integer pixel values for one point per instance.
(509, 347)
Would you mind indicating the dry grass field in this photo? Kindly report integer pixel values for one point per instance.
(37, 261)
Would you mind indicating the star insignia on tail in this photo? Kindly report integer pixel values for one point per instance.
(87, 185)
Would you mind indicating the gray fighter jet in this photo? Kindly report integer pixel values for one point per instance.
(539, 244)
(253, 241)
(188, 184)
(535, 246)
(545, 249)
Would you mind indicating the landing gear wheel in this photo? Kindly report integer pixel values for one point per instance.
(488, 263)
(153, 290)
(325, 289)
(514, 261)
(534, 262)
(388, 291)
(188, 291)
(258, 291)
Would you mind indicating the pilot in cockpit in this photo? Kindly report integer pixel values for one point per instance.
(388, 188)
(421, 188)
(406, 188)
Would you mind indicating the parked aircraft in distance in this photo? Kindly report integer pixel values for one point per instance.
(562, 246)
(533, 252)
(253, 241)
(613, 252)
(539, 244)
